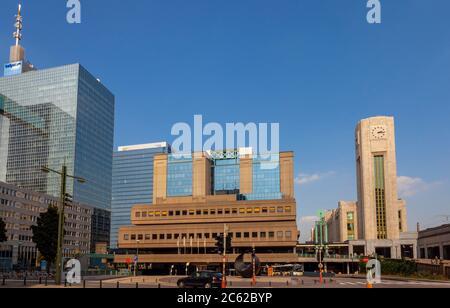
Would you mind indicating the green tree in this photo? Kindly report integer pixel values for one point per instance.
(45, 234)
(3, 237)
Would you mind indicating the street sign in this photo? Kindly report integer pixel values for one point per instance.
(135, 259)
(320, 265)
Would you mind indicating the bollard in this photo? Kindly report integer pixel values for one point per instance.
(65, 283)
(143, 280)
(25, 280)
(287, 283)
(137, 285)
(270, 283)
(4, 281)
(230, 283)
(118, 285)
(46, 283)
(303, 282)
(101, 284)
(40, 280)
(159, 286)
(84, 284)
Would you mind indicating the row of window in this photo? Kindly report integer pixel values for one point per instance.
(227, 211)
(194, 236)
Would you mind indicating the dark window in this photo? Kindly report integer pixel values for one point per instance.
(246, 234)
(254, 234)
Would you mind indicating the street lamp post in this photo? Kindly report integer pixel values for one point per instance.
(64, 176)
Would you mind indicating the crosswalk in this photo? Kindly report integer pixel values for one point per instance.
(391, 282)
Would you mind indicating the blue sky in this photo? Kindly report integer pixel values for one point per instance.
(315, 66)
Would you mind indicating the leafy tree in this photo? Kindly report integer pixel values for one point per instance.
(3, 237)
(45, 234)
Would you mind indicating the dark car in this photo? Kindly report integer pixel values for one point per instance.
(203, 279)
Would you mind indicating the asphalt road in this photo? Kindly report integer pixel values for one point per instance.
(234, 282)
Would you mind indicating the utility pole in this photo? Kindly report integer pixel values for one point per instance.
(63, 197)
(224, 259)
(254, 265)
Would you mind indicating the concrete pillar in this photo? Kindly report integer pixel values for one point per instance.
(441, 251)
(348, 268)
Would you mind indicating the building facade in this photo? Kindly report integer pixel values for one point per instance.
(55, 117)
(435, 243)
(20, 209)
(197, 198)
(377, 222)
(132, 182)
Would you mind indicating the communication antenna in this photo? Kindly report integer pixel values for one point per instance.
(18, 25)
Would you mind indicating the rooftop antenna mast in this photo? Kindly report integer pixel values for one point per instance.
(19, 19)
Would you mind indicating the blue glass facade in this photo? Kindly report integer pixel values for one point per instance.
(53, 117)
(132, 184)
(226, 176)
(266, 179)
(179, 176)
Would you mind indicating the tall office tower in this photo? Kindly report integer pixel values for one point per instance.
(132, 182)
(52, 117)
(380, 211)
(196, 198)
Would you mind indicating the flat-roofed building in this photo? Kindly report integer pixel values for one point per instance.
(196, 196)
(20, 208)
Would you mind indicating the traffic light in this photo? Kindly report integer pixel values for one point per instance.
(229, 243)
(219, 244)
(68, 198)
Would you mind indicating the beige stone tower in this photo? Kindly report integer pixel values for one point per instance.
(380, 212)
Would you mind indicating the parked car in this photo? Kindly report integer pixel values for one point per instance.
(203, 279)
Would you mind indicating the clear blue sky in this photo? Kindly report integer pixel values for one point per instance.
(314, 66)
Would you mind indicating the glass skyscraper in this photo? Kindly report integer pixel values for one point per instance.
(132, 182)
(52, 117)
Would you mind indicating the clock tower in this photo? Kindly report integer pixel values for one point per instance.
(381, 214)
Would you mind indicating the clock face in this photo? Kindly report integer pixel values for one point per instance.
(379, 132)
